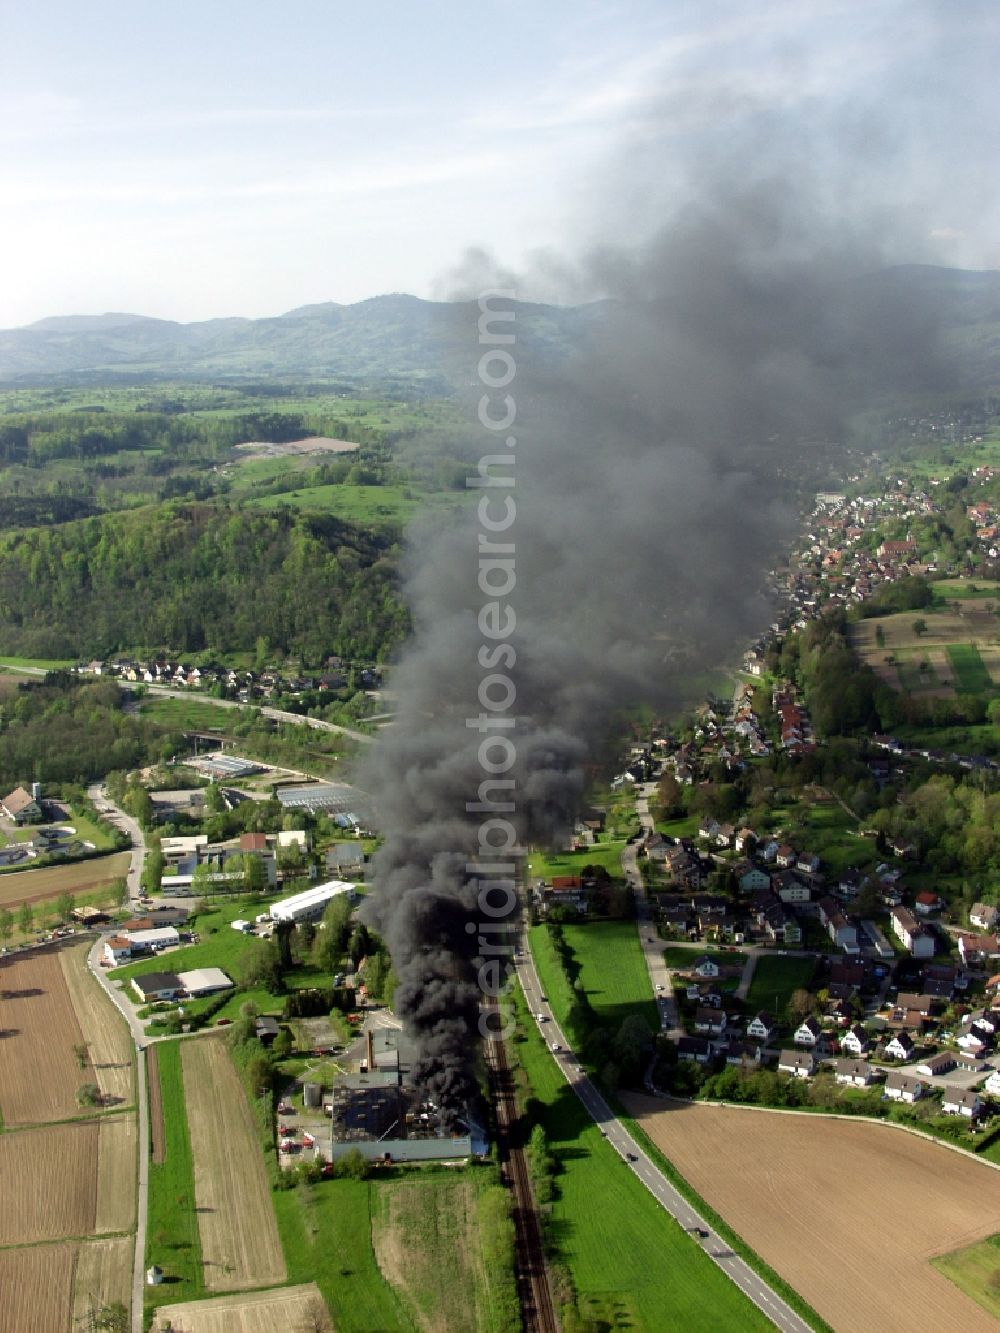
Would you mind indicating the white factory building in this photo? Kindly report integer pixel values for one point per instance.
(310, 905)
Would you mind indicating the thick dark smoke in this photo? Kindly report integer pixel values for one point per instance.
(658, 473)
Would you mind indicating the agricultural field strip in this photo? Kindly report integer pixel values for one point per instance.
(20, 886)
(104, 1031)
(38, 1013)
(239, 1235)
(821, 1202)
(37, 1287)
(288, 1308)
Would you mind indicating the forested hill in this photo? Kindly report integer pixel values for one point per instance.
(193, 578)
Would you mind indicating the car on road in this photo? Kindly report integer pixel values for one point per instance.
(542, 1018)
(700, 1232)
(631, 1157)
(556, 1047)
(658, 986)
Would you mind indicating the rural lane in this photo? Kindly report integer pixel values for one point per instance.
(652, 946)
(753, 1287)
(104, 804)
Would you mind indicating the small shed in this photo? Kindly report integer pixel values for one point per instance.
(312, 1095)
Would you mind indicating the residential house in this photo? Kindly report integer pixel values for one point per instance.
(785, 857)
(925, 1005)
(901, 1047)
(808, 863)
(974, 1043)
(856, 1041)
(117, 950)
(763, 1026)
(969, 1062)
(926, 902)
(742, 1053)
(21, 807)
(855, 1073)
(712, 1022)
(789, 888)
(793, 932)
(961, 1101)
(808, 1033)
(694, 1048)
(976, 950)
(842, 932)
(985, 916)
(800, 1064)
(902, 1087)
(706, 967)
(911, 933)
(753, 879)
(992, 1084)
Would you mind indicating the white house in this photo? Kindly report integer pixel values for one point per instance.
(992, 1084)
(901, 1047)
(762, 1026)
(911, 933)
(961, 1101)
(856, 1041)
(985, 916)
(808, 1033)
(798, 1063)
(855, 1073)
(711, 1021)
(706, 967)
(117, 950)
(902, 1088)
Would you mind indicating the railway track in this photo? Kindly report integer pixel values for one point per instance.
(538, 1312)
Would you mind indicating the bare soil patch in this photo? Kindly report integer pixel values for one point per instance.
(157, 1133)
(103, 1027)
(39, 1072)
(289, 1309)
(849, 1213)
(31, 886)
(37, 1288)
(48, 1183)
(103, 1276)
(239, 1235)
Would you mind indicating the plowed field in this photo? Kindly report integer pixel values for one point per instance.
(849, 1213)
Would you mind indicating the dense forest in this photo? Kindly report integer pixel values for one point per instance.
(61, 730)
(193, 577)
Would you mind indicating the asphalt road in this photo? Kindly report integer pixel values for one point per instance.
(632, 1154)
(105, 806)
(652, 946)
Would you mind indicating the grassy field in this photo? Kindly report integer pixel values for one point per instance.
(949, 590)
(34, 664)
(970, 674)
(976, 1271)
(775, 978)
(685, 959)
(239, 1238)
(172, 1239)
(189, 714)
(613, 971)
(631, 1265)
(607, 854)
(219, 946)
(326, 1232)
(368, 505)
(425, 1230)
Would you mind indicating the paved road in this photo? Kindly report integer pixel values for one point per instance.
(652, 946)
(115, 815)
(632, 1154)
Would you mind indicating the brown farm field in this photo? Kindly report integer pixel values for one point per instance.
(288, 1308)
(103, 1027)
(922, 666)
(32, 886)
(37, 1289)
(103, 1275)
(848, 1212)
(49, 1183)
(239, 1236)
(40, 1030)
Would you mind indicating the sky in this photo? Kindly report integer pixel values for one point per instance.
(196, 160)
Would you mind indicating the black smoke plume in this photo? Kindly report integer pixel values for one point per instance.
(659, 468)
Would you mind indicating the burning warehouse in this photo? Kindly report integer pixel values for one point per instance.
(380, 1113)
